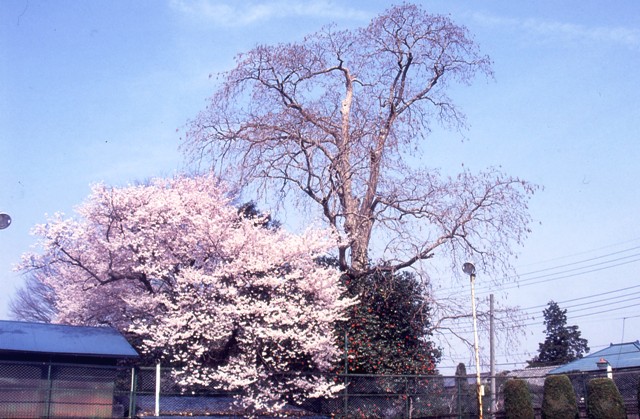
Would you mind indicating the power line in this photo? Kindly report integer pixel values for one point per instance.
(580, 270)
(580, 307)
(586, 297)
(528, 311)
(580, 261)
(453, 330)
(588, 251)
(531, 281)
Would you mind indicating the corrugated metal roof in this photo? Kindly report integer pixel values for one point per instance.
(619, 355)
(60, 339)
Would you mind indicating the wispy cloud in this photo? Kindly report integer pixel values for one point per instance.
(230, 14)
(629, 37)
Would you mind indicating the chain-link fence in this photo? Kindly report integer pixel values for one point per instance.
(364, 396)
(391, 396)
(49, 390)
(44, 390)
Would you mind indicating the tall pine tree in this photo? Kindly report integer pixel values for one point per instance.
(562, 343)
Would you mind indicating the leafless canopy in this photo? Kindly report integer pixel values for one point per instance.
(333, 120)
(35, 301)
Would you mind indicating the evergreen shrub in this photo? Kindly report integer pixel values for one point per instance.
(604, 400)
(517, 400)
(559, 399)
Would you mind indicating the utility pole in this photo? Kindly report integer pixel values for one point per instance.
(492, 357)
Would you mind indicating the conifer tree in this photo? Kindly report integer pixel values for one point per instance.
(563, 343)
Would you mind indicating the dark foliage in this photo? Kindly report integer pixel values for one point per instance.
(251, 210)
(559, 398)
(464, 400)
(517, 400)
(563, 343)
(604, 400)
(388, 332)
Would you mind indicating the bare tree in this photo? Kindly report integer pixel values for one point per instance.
(334, 121)
(35, 301)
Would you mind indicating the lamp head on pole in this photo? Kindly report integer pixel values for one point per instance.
(469, 269)
(5, 221)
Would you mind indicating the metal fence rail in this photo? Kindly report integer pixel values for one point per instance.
(51, 390)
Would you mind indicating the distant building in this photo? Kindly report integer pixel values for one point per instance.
(534, 375)
(51, 370)
(618, 355)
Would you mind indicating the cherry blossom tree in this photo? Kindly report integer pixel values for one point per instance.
(334, 122)
(235, 303)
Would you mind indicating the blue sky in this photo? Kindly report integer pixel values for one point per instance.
(99, 91)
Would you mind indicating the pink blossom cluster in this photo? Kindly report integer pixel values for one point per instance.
(237, 305)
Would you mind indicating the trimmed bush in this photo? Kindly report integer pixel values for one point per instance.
(517, 400)
(604, 400)
(559, 399)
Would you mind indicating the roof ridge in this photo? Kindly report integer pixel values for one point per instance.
(57, 324)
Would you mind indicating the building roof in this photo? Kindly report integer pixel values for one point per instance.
(533, 375)
(57, 339)
(619, 355)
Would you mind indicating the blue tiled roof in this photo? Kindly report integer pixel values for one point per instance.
(60, 339)
(619, 355)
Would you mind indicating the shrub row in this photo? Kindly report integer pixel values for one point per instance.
(559, 399)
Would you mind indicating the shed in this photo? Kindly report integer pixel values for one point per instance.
(53, 370)
(618, 355)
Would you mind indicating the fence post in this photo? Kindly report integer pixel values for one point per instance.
(49, 391)
(584, 391)
(346, 375)
(157, 412)
(132, 394)
(458, 398)
(406, 395)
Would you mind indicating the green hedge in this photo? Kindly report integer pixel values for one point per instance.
(517, 400)
(559, 399)
(604, 400)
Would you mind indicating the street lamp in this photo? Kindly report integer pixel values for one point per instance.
(5, 220)
(470, 270)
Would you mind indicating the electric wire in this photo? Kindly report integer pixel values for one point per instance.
(610, 305)
(562, 274)
(582, 307)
